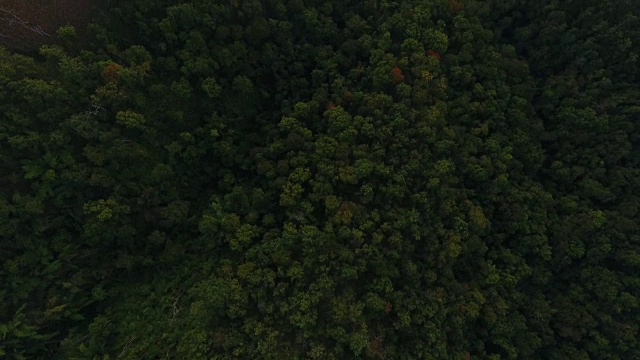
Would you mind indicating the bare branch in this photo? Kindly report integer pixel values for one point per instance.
(176, 308)
(13, 18)
(127, 346)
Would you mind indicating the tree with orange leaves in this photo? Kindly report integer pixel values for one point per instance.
(396, 72)
(434, 54)
(110, 72)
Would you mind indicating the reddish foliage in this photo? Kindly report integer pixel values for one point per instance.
(387, 308)
(397, 74)
(456, 5)
(219, 338)
(110, 72)
(434, 54)
(331, 105)
(376, 349)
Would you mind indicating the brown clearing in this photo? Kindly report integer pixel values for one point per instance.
(25, 25)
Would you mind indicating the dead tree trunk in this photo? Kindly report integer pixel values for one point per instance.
(31, 23)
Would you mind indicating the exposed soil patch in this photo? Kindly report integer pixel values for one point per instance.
(25, 25)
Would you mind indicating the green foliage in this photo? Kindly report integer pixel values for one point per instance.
(324, 180)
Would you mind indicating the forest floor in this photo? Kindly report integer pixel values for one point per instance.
(25, 25)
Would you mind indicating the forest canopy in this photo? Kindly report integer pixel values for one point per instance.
(310, 179)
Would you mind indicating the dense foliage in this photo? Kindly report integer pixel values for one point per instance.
(289, 179)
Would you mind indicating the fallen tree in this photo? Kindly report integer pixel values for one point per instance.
(28, 24)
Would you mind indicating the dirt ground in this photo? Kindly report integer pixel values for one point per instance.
(27, 24)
